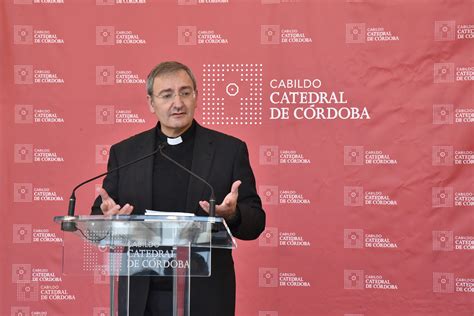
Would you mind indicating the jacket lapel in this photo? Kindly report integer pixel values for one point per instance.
(203, 155)
(142, 191)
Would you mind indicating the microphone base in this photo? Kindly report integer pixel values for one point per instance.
(68, 226)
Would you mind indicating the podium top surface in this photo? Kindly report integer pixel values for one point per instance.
(150, 230)
(174, 217)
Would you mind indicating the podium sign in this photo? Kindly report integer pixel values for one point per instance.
(115, 248)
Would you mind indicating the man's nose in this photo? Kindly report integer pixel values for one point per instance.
(177, 101)
(177, 98)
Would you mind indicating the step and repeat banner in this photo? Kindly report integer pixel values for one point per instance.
(358, 115)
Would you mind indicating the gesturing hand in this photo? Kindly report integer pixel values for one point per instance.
(109, 207)
(227, 208)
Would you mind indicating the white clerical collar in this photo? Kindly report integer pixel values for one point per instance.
(174, 141)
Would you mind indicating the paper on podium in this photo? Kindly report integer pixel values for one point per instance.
(152, 212)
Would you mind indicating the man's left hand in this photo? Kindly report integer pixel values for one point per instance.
(228, 207)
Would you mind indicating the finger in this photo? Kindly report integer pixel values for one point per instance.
(107, 205)
(126, 209)
(228, 199)
(103, 194)
(235, 187)
(112, 210)
(104, 206)
(231, 198)
(204, 205)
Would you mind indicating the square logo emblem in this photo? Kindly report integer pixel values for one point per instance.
(443, 240)
(104, 114)
(442, 197)
(443, 114)
(353, 279)
(445, 30)
(269, 194)
(354, 238)
(443, 73)
(23, 34)
(443, 282)
(102, 153)
(105, 75)
(269, 34)
(355, 33)
(268, 155)
(27, 292)
(22, 192)
(353, 155)
(267, 277)
(104, 35)
(232, 94)
(23, 74)
(187, 35)
(269, 238)
(21, 273)
(23, 114)
(20, 311)
(353, 196)
(23, 153)
(101, 275)
(443, 155)
(22, 233)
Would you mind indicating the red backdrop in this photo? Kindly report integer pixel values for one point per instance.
(358, 116)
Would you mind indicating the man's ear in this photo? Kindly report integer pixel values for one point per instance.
(150, 103)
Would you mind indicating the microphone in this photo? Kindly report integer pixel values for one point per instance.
(212, 198)
(70, 226)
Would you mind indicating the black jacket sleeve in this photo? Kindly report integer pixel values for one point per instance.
(250, 218)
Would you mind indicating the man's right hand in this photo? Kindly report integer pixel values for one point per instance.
(109, 207)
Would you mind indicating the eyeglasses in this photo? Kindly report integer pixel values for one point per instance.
(185, 95)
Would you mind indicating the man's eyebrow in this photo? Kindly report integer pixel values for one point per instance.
(171, 90)
(165, 90)
(185, 87)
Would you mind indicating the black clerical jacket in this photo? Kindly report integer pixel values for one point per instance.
(220, 159)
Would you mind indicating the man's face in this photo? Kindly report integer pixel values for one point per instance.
(173, 102)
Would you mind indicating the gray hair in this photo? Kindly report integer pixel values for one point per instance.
(167, 67)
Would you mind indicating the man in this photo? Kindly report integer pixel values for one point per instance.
(157, 184)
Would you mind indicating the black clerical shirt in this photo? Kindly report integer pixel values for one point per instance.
(170, 183)
(170, 187)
